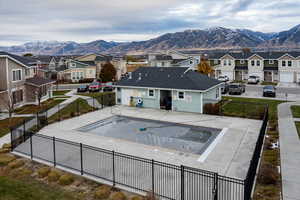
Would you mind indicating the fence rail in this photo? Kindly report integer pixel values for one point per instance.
(162, 179)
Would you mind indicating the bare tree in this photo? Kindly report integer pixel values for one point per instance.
(39, 93)
(9, 103)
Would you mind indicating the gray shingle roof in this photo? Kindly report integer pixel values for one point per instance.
(169, 78)
(24, 60)
(163, 57)
(38, 81)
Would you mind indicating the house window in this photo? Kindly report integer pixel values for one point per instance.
(225, 62)
(271, 62)
(151, 93)
(289, 63)
(17, 96)
(216, 61)
(258, 63)
(17, 75)
(73, 65)
(229, 62)
(180, 95)
(283, 63)
(43, 90)
(252, 62)
(119, 89)
(162, 64)
(191, 62)
(242, 61)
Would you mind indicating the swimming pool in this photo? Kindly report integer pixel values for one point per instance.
(175, 136)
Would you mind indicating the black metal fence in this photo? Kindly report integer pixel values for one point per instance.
(162, 179)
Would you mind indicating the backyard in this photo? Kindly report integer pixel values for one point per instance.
(105, 97)
(268, 185)
(32, 109)
(5, 124)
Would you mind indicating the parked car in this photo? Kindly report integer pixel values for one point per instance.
(223, 78)
(253, 79)
(83, 88)
(224, 88)
(108, 89)
(269, 91)
(236, 88)
(95, 86)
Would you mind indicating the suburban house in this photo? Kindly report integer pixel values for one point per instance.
(76, 71)
(19, 83)
(160, 60)
(171, 88)
(269, 66)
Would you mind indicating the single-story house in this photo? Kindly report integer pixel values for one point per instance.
(171, 88)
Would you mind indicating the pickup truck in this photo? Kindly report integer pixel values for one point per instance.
(236, 88)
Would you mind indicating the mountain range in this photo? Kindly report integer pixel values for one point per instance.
(212, 38)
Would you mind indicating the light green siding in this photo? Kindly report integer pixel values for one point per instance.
(211, 96)
(191, 102)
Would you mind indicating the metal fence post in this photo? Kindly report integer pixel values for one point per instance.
(182, 182)
(11, 139)
(24, 130)
(153, 181)
(54, 152)
(114, 172)
(58, 112)
(102, 99)
(216, 177)
(81, 160)
(31, 151)
(77, 104)
(37, 120)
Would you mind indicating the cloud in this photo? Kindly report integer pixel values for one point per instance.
(88, 20)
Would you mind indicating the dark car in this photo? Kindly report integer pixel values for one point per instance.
(224, 88)
(83, 88)
(236, 88)
(108, 89)
(269, 91)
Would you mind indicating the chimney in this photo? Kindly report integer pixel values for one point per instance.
(140, 76)
(130, 75)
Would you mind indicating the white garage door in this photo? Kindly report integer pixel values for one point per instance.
(227, 73)
(286, 77)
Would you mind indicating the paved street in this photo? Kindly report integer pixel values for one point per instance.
(289, 152)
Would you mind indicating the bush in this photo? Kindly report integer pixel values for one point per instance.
(268, 175)
(211, 109)
(6, 146)
(43, 172)
(16, 164)
(24, 172)
(137, 198)
(118, 196)
(53, 176)
(66, 179)
(6, 158)
(103, 192)
(4, 151)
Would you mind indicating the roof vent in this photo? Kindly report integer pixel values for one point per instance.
(140, 76)
(168, 75)
(130, 75)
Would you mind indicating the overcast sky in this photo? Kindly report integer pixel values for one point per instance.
(128, 20)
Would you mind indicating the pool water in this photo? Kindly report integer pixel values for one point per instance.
(179, 137)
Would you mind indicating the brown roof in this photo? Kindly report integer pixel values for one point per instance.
(38, 81)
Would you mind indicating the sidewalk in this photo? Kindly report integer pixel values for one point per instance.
(289, 152)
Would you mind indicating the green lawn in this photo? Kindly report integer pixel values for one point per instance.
(269, 83)
(298, 128)
(5, 124)
(75, 108)
(296, 111)
(30, 109)
(239, 110)
(107, 97)
(60, 92)
(29, 189)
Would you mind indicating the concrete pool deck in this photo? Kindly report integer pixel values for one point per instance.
(230, 156)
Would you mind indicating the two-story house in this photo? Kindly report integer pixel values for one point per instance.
(19, 84)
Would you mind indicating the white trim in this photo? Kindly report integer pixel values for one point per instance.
(180, 99)
(271, 62)
(21, 76)
(255, 55)
(286, 55)
(242, 61)
(227, 55)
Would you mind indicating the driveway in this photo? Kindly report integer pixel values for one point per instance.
(289, 152)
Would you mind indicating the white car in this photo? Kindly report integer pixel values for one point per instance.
(253, 79)
(223, 78)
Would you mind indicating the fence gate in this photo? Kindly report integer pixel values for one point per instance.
(199, 185)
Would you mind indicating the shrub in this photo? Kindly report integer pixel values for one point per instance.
(66, 179)
(118, 196)
(43, 172)
(212, 109)
(53, 176)
(137, 198)
(268, 174)
(16, 164)
(24, 172)
(4, 151)
(6, 158)
(103, 192)
(6, 146)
